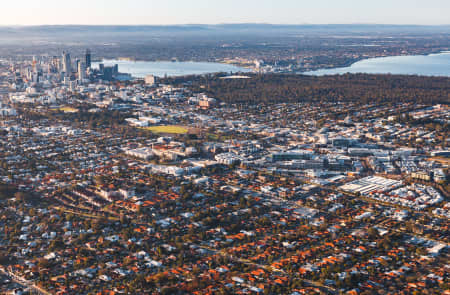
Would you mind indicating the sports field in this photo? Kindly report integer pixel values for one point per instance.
(170, 129)
(68, 109)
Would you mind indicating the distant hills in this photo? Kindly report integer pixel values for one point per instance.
(219, 29)
(209, 42)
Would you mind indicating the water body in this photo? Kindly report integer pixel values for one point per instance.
(425, 65)
(140, 69)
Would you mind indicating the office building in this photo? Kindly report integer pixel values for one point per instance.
(88, 59)
(108, 73)
(150, 80)
(66, 64)
(81, 71)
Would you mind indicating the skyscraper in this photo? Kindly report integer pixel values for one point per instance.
(88, 58)
(77, 62)
(81, 71)
(66, 64)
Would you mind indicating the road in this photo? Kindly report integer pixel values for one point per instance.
(23, 282)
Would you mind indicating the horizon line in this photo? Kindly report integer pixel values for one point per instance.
(222, 24)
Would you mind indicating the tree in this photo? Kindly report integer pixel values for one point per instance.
(20, 196)
(373, 233)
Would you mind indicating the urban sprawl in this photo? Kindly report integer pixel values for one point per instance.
(113, 185)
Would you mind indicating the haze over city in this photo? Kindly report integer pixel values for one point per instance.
(141, 12)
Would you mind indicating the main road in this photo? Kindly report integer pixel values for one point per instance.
(23, 282)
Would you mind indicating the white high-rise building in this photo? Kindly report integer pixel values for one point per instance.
(66, 63)
(81, 71)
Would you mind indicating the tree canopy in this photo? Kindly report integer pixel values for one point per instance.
(365, 88)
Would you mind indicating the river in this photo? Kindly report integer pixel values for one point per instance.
(140, 69)
(425, 65)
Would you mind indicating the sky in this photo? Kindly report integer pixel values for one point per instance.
(163, 12)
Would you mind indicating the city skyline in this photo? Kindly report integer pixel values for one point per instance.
(139, 12)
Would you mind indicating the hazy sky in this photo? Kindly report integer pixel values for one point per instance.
(36, 12)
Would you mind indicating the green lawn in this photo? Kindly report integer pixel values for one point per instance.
(68, 110)
(171, 129)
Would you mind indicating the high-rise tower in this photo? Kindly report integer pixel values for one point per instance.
(88, 58)
(66, 64)
(81, 71)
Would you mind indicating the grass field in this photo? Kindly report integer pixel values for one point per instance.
(171, 129)
(68, 110)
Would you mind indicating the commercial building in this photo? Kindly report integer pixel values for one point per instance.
(150, 80)
(81, 71)
(66, 64)
(88, 60)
